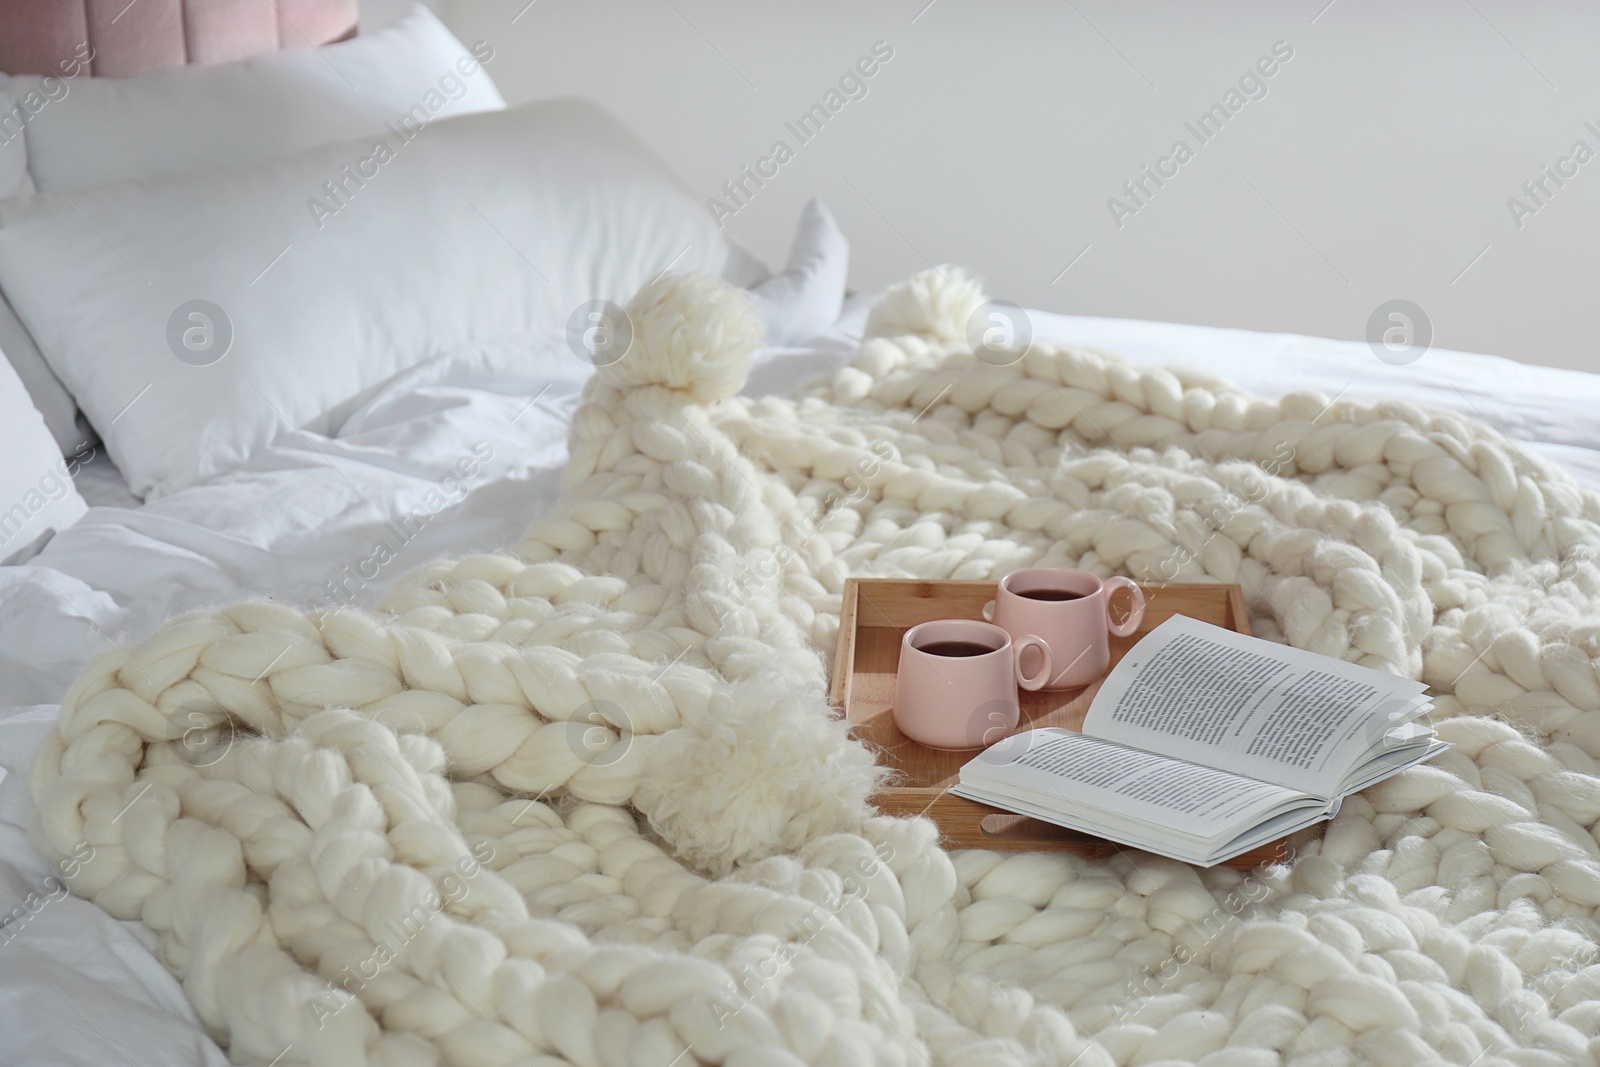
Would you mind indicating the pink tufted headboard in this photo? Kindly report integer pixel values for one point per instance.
(137, 37)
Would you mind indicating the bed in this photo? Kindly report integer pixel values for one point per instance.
(452, 454)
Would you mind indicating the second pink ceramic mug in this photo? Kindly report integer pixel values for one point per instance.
(1071, 612)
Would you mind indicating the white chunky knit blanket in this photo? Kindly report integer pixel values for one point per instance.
(584, 802)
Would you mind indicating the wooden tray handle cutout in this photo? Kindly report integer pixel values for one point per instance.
(997, 824)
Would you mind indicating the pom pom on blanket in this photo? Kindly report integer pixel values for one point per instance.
(785, 759)
(690, 333)
(936, 304)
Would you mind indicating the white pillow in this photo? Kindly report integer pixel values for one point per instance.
(54, 404)
(806, 297)
(86, 130)
(37, 496)
(477, 228)
(22, 98)
(265, 107)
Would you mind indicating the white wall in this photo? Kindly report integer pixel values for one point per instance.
(1377, 166)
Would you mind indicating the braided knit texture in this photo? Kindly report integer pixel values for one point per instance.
(584, 802)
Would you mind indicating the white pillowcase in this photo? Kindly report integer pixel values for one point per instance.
(70, 130)
(265, 107)
(805, 297)
(37, 496)
(21, 99)
(477, 228)
(51, 399)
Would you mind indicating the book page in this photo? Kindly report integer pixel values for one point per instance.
(1099, 784)
(1195, 691)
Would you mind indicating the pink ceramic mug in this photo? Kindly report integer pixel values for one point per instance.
(1071, 611)
(956, 686)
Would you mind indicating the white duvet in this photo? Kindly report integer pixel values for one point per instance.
(437, 463)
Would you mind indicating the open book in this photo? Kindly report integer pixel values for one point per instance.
(1203, 743)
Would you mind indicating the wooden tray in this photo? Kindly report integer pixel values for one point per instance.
(875, 616)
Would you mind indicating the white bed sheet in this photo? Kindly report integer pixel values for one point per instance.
(79, 987)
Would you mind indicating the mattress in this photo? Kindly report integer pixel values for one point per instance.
(301, 521)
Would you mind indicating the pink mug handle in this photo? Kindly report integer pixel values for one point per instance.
(1038, 680)
(1135, 609)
